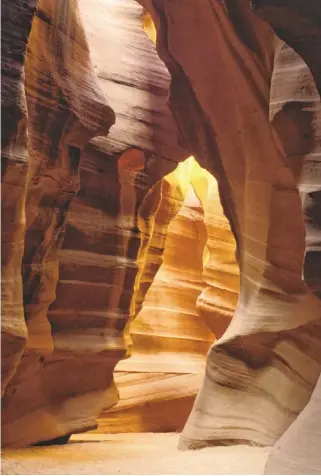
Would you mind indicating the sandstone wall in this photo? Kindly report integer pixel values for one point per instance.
(171, 335)
(88, 218)
(14, 168)
(65, 376)
(220, 97)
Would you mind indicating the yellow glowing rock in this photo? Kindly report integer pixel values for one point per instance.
(183, 309)
(158, 383)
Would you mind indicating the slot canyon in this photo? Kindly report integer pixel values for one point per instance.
(161, 237)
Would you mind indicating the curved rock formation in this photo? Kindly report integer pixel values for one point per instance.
(159, 382)
(168, 323)
(298, 449)
(17, 18)
(221, 105)
(295, 111)
(66, 108)
(216, 304)
(86, 330)
(250, 124)
(172, 334)
(298, 23)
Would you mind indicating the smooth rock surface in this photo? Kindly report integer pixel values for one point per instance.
(246, 107)
(298, 449)
(298, 23)
(296, 114)
(14, 168)
(221, 104)
(179, 321)
(84, 257)
(66, 109)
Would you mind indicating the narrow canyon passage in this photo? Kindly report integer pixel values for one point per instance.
(93, 252)
(161, 239)
(179, 321)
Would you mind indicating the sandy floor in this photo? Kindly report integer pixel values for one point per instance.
(147, 453)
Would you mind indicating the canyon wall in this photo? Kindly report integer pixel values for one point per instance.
(171, 334)
(97, 218)
(298, 24)
(14, 168)
(83, 257)
(220, 98)
(91, 219)
(159, 382)
(65, 109)
(295, 111)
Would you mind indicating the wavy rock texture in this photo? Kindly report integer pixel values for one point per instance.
(66, 108)
(171, 335)
(222, 59)
(298, 23)
(131, 224)
(221, 105)
(217, 302)
(296, 114)
(99, 279)
(159, 382)
(134, 80)
(100, 251)
(165, 328)
(17, 18)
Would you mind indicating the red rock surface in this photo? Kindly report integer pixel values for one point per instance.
(220, 97)
(172, 334)
(14, 168)
(88, 215)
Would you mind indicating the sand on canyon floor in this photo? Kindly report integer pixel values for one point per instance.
(132, 453)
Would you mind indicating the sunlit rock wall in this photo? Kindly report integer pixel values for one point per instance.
(66, 108)
(217, 302)
(159, 382)
(85, 274)
(65, 377)
(261, 373)
(295, 111)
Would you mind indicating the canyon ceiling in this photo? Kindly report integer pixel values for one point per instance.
(161, 211)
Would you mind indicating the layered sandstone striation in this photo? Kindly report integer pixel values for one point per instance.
(298, 23)
(97, 225)
(14, 167)
(295, 111)
(159, 382)
(222, 107)
(65, 109)
(84, 257)
(171, 334)
(89, 215)
(217, 301)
